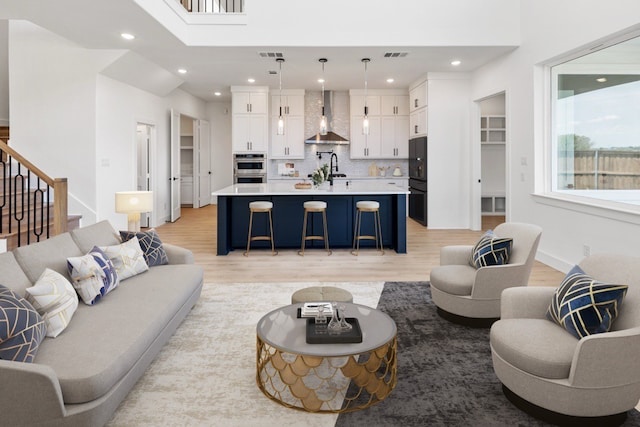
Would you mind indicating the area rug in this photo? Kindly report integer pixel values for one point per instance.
(205, 375)
(445, 373)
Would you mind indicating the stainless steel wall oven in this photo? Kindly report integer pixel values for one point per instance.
(250, 168)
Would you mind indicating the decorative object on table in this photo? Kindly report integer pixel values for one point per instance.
(321, 318)
(134, 203)
(321, 334)
(382, 171)
(334, 323)
(342, 313)
(320, 175)
(396, 171)
(373, 169)
(310, 309)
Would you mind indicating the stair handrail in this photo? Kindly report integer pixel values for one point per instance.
(59, 185)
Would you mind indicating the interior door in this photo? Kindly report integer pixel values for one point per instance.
(143, 133)
(174, 176)
(204, 163)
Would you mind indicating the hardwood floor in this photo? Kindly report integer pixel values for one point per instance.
(196, 230)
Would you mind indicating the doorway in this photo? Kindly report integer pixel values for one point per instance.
(493, 144)
(145, 139)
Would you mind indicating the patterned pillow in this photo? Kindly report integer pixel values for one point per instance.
(491, 250)
(22, 329)
(55, 300)
(584, 306)
(151, 246)
(127, 257)
(92, 275)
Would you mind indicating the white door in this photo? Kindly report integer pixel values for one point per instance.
(203, 156)
(174, 176)
(143, 133)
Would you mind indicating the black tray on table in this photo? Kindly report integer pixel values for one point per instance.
(318, 334)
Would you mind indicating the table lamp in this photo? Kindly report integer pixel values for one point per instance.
(133, 203)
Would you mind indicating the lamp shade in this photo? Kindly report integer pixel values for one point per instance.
(134, 201)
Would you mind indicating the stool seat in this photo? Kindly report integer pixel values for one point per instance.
(315, 204)
(321, 293)
(260, 205)
(368, 205)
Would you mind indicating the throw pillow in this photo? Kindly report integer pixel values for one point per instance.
(93, 275)
(55, 300)
(22, 329)
(491, 250)
(585, 306)
(127, 257)
(154, 253)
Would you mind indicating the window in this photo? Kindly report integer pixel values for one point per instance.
(595, 133)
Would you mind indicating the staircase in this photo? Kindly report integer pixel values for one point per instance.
(33, 206)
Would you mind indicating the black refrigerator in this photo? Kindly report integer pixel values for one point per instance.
(418, 179)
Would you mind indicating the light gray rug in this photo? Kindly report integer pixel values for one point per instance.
(205, 375)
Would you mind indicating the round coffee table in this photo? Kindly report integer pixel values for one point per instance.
(326, 377)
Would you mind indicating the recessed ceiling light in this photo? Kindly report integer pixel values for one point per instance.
(601, 79)
(251, 80)
(320, 80)
(217, 93)
(127, 36)
(456, 63)
(390, 80)
(182, 71)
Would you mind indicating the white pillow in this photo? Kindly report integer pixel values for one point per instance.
(93, 275)
(127, 258)
(54, 299)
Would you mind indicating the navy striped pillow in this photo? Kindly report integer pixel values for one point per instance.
(491, 250)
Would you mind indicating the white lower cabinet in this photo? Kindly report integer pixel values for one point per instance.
(395, 137)
(291, 144)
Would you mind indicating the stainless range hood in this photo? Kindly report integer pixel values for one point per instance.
(331, 137)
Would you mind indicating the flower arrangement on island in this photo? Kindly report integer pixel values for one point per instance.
(320, 175)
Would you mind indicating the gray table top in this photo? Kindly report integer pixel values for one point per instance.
(282, 329)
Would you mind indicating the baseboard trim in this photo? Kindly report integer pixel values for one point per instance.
(472, 322)
(559, 419)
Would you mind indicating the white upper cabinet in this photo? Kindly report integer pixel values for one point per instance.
(292, 105)
(357, 105)
(365, 146)
(418, 96)
(249, 103)
(394, 105)
(249, 124)
(291, 144)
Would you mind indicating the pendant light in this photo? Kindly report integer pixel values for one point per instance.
(323, 119)
(365, 118)
(280, 130)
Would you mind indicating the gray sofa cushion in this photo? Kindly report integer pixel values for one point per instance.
(545, 350)
(104, 341)
(98, 234)
(454, 279)
(12, 275)
(51, 253)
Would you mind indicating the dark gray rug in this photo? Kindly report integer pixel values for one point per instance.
(445, 374)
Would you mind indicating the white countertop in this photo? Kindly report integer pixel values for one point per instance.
(338, 178)
(286, 188)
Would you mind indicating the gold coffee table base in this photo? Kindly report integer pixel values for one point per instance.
(327, 384)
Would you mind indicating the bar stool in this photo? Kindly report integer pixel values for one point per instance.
(317, 207)
(260, 207)
(374, 208)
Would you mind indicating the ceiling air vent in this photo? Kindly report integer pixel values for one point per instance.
(395, 54)
(271, 54)
(273, 72)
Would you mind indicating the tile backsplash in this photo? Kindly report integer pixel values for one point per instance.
(339, 125)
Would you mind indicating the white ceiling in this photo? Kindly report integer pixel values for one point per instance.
(98, 24)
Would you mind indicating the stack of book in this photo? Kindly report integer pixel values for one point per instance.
(310, 309)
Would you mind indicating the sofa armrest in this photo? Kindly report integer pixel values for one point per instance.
(30, 394)
(526, 302)
(456, 254)
(606, 360)
(177, 254)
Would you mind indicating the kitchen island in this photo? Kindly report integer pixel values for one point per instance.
(288, 213)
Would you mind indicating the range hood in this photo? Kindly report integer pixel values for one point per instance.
(331, 137)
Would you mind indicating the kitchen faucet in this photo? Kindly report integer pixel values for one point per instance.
(320, 153)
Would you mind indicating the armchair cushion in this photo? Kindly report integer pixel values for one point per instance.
(585, 306)
(454, 279)
(536, 346)
(491, 250)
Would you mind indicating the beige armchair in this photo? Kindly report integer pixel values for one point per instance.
(470, 296)
(559, 378)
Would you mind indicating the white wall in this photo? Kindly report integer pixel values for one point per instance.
(4, 73)
(219, 116)
(449, 156)
(73, 122)
(549, 29)
(350, 23)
